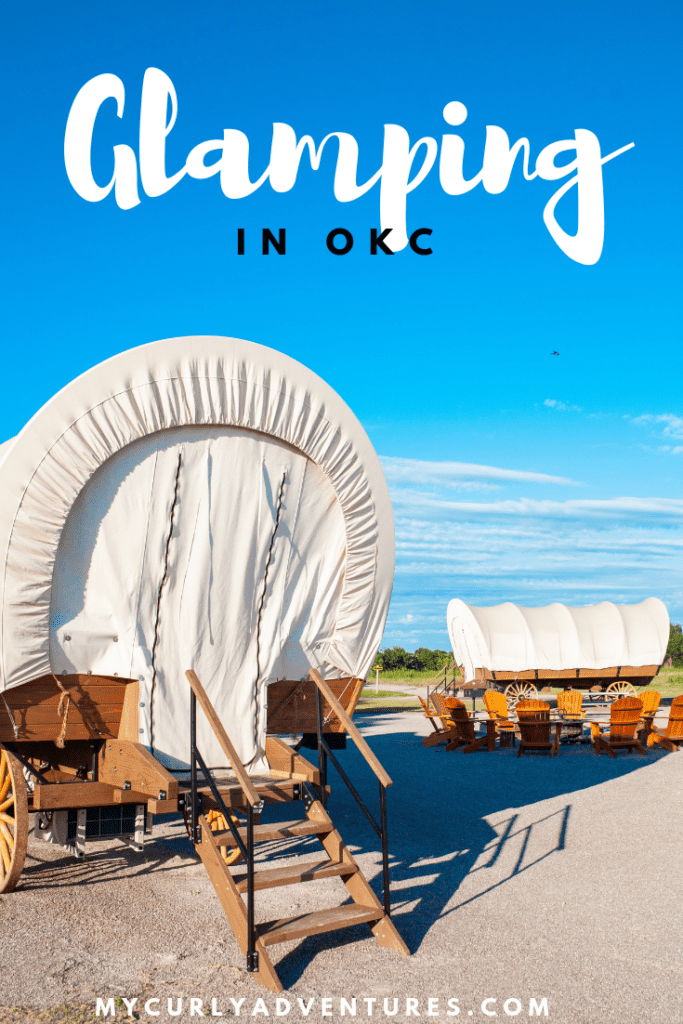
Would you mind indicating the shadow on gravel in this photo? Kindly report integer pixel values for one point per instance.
(438, 832)
(44, 870)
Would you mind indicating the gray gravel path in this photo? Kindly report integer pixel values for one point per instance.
(513, 879)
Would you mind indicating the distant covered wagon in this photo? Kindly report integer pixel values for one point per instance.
(200, 504)
(607, 646)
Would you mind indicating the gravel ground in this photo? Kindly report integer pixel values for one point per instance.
(513, 879)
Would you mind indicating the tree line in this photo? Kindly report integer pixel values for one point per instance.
(421, 660)
(424, 659)
(674, 652)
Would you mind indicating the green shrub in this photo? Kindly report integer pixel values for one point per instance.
(675, 648)
(392, 659)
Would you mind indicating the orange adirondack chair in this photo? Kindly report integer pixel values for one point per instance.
(569, 702)
(428, 713)
(497, 707)
(671, 737)
(533, 721)
(464, 726)
(446, 730)
(529, 706)
(651, 701)
(624, 720)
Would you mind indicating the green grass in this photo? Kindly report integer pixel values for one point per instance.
(669, 682)
(386, 700)
(367, 707)
(369, 694)
(406, 675)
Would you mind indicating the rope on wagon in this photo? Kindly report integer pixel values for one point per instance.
(260, 610)
(332, 712)
(11, 717)
(62, 711)
(158, 612)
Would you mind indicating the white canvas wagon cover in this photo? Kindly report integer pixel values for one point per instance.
(509, 638)
(201, 503)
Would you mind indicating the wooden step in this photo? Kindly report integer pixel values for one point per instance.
(309, 871)
(278, 830)
(314, 924)
(272, 791)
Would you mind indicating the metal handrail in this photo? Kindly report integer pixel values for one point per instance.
(443, 686)
(324, 752)
(252, 801)
(351, 728)
(240, 771)
(437, 681)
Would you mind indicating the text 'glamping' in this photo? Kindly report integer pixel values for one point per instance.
(582, 174)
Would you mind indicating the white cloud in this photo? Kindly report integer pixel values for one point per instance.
(639, 510)
(578, 562)
(461, 475)
(673, 428)
(529, 551)
(553, 403)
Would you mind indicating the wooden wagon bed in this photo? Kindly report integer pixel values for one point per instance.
(616, 681)
(69, 755)
(106, 707)
(101, 763)
(98, 708)
(175, 493)
(576, 678)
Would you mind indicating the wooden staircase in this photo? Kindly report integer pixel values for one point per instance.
(293, 778)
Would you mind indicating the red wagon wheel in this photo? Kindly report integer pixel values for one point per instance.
(13, 820)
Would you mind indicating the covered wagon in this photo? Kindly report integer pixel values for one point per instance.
(608, 647)
(196, 558)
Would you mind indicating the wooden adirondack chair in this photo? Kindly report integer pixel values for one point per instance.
(651, 700)
(624, 720)
(529, 707)
(533, 721)
(497, 707)
(671, 737)
(429, 713)
(447, 729)
(464, 727)
(570, 702)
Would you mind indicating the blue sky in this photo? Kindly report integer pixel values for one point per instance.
(515, 474)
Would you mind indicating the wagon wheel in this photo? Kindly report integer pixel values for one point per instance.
(217, 823)
(622, 689)
(13, 820)
(520, 691)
